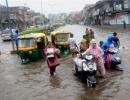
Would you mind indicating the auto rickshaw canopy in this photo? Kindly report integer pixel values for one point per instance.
(28, 41)
(60, 32)
(56, 33)
(32, 35)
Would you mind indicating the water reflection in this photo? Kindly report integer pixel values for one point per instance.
(105, 90)
(55, 81)
(34, 67)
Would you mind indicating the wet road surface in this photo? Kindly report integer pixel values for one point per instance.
(33, 82)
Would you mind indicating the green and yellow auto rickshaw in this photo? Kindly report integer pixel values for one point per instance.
(60, 40)
(30, 46)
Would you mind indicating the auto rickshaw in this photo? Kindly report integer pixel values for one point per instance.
(60, 40)
(30, 46)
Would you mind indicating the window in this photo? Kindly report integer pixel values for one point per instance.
(6, 31)
(62, 37)
(26, 43)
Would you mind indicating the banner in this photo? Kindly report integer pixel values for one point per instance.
(121, 18)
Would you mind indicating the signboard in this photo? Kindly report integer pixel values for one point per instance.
(122, 18)
(126, 4)
(119, 19)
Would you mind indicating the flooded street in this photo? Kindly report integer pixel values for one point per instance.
(33, 82)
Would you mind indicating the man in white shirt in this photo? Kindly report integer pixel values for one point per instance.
(73, 46)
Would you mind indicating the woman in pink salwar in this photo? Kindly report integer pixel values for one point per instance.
(52, 57)
(97, 52)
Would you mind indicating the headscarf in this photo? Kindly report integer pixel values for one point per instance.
(92, 42)
(110, 37)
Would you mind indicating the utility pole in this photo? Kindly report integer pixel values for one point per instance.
(7, 9)
(8, 18)
(7, 12)
(24, 14)
(42, 22)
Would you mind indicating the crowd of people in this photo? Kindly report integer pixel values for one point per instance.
(87, 45)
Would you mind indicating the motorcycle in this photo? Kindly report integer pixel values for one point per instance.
(85, 67)
(113, 59)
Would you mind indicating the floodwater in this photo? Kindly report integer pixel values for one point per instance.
(33, 82)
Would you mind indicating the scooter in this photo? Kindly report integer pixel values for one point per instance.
(113, 59)
(85, 67)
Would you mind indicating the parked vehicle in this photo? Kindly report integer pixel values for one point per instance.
(6, 34)
(60, 40)
(114, 59)
(85, 68)
(31, 46)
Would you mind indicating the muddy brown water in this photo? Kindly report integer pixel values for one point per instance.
(33, 82)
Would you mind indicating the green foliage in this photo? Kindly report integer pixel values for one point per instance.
(42, 29)
(34, 30)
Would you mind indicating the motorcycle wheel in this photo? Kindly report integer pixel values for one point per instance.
(75, 70)
(89, 84)
(93, 85)
(83, 78)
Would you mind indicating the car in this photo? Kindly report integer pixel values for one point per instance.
(6, 34)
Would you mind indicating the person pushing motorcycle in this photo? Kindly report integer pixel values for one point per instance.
(97, 52)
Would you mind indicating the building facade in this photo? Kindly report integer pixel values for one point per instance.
(110, 12)
(19, 17)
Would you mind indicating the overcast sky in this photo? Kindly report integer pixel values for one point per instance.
(51, 6)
